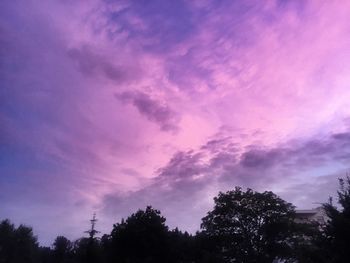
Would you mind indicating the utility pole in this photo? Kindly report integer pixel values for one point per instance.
(92, 232)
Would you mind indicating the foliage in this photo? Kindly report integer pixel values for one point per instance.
(62, 250)
(181, 246)
(17, 245)
(306, 243)
(142, 237)
(87, 250)
(249, 226)
(337, 230)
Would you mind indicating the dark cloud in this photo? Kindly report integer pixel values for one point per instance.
(301, 154)
(212, 157)
(154, 110)
(183, 164)
(157, 24)
(90, 63)
(223, 160)
(219, 144)
(191, 176)
(261, 158)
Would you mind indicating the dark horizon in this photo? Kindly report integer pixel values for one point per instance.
(243, 226)
(99, 234)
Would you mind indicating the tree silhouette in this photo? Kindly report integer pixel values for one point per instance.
(7, 241)
(17, 245)
(45, 255)
(88, 250)
(142, 237)
(62, 250)
(249, 226)
(181, 246)
(337, 230)
(306, 243)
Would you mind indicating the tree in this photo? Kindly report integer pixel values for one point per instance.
(249, 226)
(181, 247)
(7, 241)
(17, 245)
(337, 230)
(306, 243)
(45, 255)
(89, 250)
(142, 237)
(62, 250)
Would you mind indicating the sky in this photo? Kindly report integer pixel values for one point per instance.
(108, 106)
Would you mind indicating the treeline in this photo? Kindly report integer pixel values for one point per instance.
(244, 227)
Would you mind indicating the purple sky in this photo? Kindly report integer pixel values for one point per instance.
(108, 106)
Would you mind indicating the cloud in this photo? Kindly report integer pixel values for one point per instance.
(155, 24)
(92, 64)
(298, 171)
(152, 109)
(261, 159)
(183, 164)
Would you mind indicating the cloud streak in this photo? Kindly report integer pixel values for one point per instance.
(152, 109)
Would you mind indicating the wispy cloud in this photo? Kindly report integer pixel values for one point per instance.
(152, 109)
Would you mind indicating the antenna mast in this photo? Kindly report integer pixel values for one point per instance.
(92, 232)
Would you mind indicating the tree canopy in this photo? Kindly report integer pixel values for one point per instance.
(248, 226)
(142, 237)
(62, 249)
(337, 230)
(17, 245)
